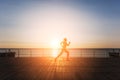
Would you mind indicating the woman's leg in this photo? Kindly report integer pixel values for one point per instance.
(59, 54)
(67, 54)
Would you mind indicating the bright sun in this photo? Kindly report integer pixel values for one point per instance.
(55, 43)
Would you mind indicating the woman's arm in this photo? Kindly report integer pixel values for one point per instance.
(68, 44)
(61, 43)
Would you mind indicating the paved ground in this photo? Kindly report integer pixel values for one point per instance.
(47, 69)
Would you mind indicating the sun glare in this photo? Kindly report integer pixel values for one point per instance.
(54, 53)
(55, 43)
(55, 46)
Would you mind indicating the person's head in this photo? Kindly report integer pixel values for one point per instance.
(65, 39)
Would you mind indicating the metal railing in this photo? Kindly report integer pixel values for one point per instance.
(48, 52)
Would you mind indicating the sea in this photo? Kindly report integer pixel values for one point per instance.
(50, 52)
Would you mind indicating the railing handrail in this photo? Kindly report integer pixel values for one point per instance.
(17, 50)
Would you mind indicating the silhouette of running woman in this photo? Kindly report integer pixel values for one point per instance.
(64, 44)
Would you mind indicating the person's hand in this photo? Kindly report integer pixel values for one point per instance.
(69, 42)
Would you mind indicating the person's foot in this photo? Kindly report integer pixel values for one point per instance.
(55, 59)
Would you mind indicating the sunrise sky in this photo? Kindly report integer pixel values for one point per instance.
(44, 23)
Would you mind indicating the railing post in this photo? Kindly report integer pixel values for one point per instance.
(30, 52)
(119, 51)
(81, 52)
(43, 52)
(18, 53)
(106, 53)
(94, 53)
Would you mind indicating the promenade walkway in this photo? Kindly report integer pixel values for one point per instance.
(47, 69)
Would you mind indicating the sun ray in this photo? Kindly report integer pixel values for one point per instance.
(55, 47)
